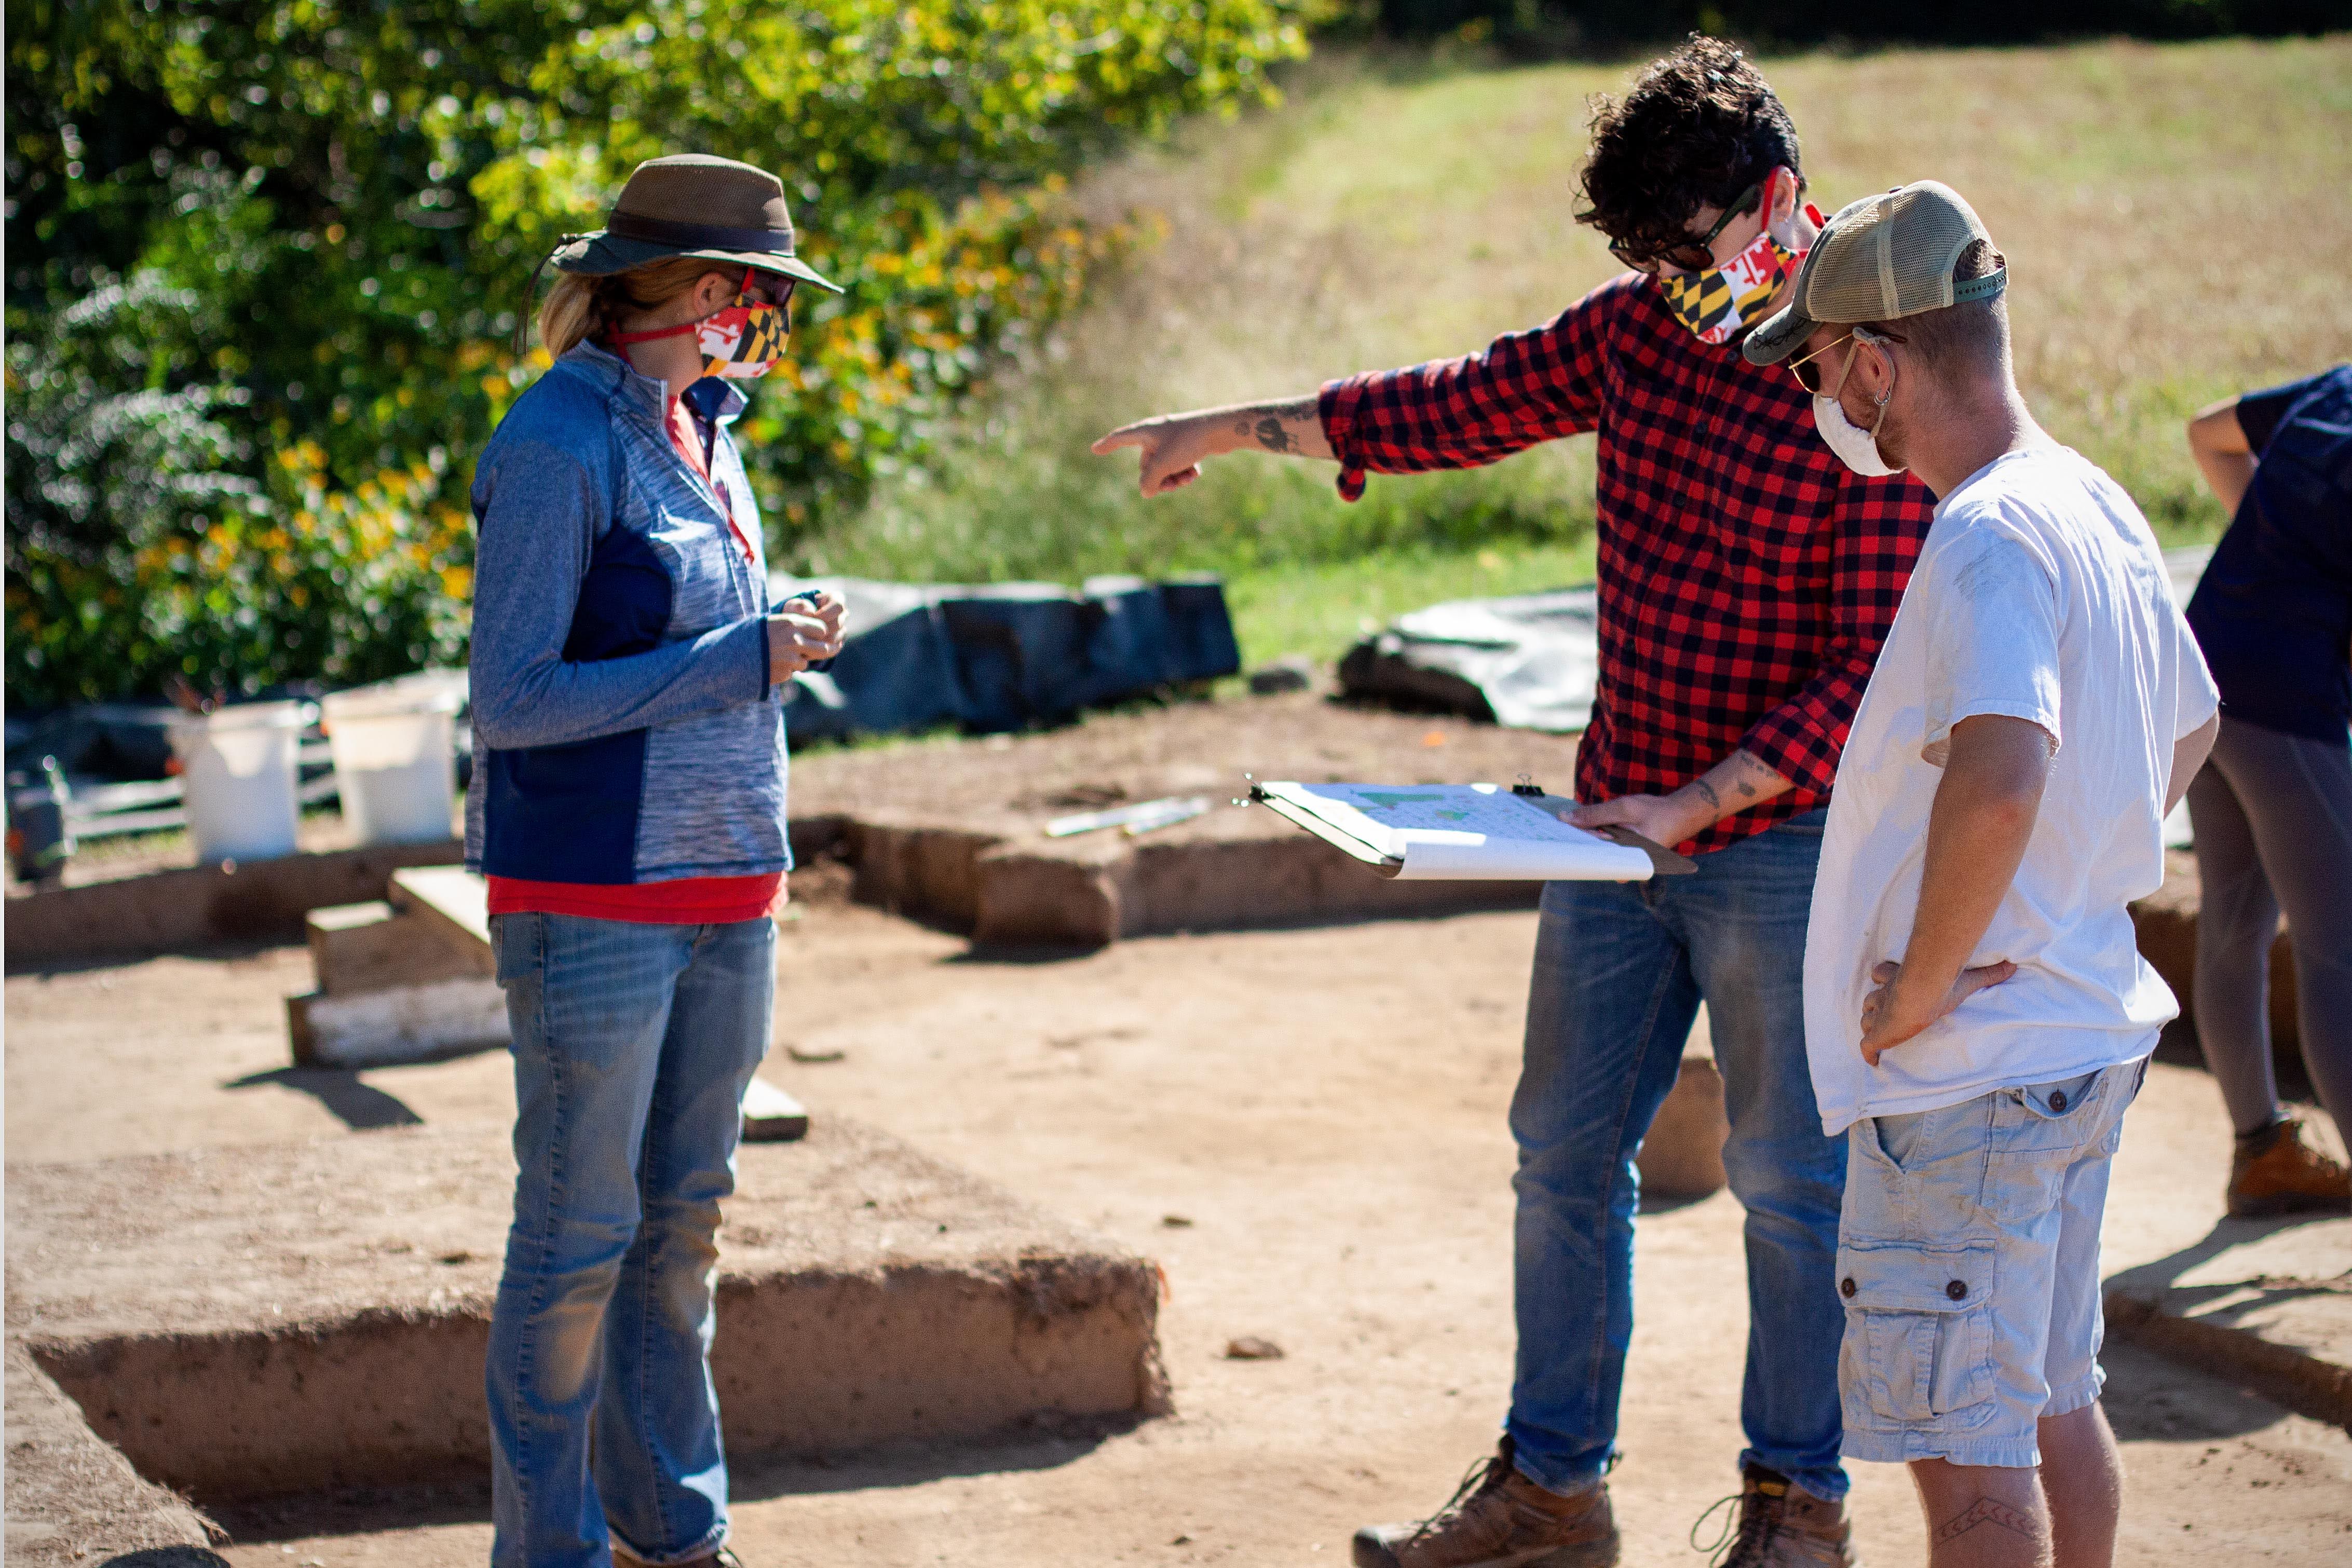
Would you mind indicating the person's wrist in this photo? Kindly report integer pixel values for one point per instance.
(1694, 813)
(1911, 996)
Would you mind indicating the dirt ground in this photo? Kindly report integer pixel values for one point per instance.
(1306, 1127)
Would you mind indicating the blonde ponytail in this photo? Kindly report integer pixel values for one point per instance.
(581, 306)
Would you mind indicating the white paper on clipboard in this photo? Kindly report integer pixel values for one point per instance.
(1457, 832)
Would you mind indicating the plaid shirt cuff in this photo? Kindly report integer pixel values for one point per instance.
(1337, 409)
(1801, 740)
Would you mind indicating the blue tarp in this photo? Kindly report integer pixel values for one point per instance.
(1006, 655)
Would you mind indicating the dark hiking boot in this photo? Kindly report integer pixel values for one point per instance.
(2277, 1171)
(1779, 1525)
(1498, 1519)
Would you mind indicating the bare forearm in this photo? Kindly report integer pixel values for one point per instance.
(1736, 783)
(1977, 834)
(2219, 444)
(1171, 447)
(1288, 427)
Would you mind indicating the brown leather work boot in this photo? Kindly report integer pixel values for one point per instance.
(1499, 1519)
(2277, 1171)
(1779, 1525)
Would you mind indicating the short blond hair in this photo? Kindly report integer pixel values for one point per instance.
(581, 306)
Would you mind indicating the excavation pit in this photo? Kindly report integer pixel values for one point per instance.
(259, 1322)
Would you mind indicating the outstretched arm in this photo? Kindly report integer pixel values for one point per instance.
(1174, 446)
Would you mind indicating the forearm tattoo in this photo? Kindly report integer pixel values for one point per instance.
(1707, 793)
(1982, 1512)
(1270, 426)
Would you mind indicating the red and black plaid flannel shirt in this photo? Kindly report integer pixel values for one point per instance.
(1746, 577)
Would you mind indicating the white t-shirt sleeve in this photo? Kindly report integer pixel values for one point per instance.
(1992, 647)
(2196, 698)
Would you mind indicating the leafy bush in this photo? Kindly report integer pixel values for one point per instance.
(344, 203)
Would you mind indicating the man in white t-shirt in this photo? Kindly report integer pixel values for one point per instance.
(1978, 1017)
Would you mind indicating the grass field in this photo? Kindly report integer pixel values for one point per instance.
(2175, 216)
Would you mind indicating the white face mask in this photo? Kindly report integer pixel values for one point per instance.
(1856, 447)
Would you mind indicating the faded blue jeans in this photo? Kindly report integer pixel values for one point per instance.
(1620, 971)
(632, 1048)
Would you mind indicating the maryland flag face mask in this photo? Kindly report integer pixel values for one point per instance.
(740, 341)
(1719, 301)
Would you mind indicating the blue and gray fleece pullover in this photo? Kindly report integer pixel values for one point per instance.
(625, 728)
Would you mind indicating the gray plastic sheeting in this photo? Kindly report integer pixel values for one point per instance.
(1527, 662)
(1006, 655)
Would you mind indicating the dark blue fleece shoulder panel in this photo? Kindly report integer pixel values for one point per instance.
(568, 813)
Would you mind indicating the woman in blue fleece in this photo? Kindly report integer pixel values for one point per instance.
(627, 807)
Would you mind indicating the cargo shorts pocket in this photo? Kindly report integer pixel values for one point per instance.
(1919, 1334)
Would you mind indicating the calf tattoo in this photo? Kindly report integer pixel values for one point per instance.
(1984, 1511)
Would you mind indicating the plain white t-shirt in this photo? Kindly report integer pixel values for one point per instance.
(2041, 594)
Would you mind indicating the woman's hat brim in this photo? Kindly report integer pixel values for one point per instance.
(602, 253)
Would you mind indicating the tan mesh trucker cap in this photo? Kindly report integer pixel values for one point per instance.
(1881, 257)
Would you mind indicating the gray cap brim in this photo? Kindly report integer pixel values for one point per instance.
(600, 255)
(1781, 335)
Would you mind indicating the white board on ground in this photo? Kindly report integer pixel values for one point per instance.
(1460, 833)
(408, 1023)
(458, 898)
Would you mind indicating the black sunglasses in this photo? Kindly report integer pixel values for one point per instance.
(777, 285)
(1689, 254)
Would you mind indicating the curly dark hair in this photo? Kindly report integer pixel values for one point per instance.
(1698, 128)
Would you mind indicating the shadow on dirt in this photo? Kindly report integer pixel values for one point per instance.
(1039, 1444)
(362, 1107)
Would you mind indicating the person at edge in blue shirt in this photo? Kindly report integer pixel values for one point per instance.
(627, 808)
(2273, 809)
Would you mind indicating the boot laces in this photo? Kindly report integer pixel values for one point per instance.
(1747, 1533)
(1481, 1476)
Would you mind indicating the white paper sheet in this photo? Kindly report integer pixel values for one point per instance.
(1465, 832)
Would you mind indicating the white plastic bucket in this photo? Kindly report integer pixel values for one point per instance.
(395, 746)
(237, 774)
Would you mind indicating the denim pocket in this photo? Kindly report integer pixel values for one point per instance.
(515, 943)
(1919, 1342)
(2039, 1131)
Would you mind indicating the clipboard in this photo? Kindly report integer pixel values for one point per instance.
(1663, 860)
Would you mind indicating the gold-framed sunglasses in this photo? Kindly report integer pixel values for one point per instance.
(1809, 375)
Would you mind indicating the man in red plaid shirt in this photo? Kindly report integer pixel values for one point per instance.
(1747, 579)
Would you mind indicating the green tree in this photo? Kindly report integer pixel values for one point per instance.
(345, 200)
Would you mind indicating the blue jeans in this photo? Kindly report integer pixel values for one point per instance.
(631, 1047)
(1620, 971)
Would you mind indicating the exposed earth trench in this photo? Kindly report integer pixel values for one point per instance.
(1304, 1127)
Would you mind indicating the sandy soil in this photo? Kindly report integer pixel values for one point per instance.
(1307, 1127)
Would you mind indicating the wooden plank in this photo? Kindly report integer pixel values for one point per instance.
(299, 1034)
(358, 948)
(770, 1115)
(407, 1023)
(457, 898)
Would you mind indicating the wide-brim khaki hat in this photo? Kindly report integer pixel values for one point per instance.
(690, 203)
(1881, 258)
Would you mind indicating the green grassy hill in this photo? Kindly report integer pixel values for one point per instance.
(2176, 221)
